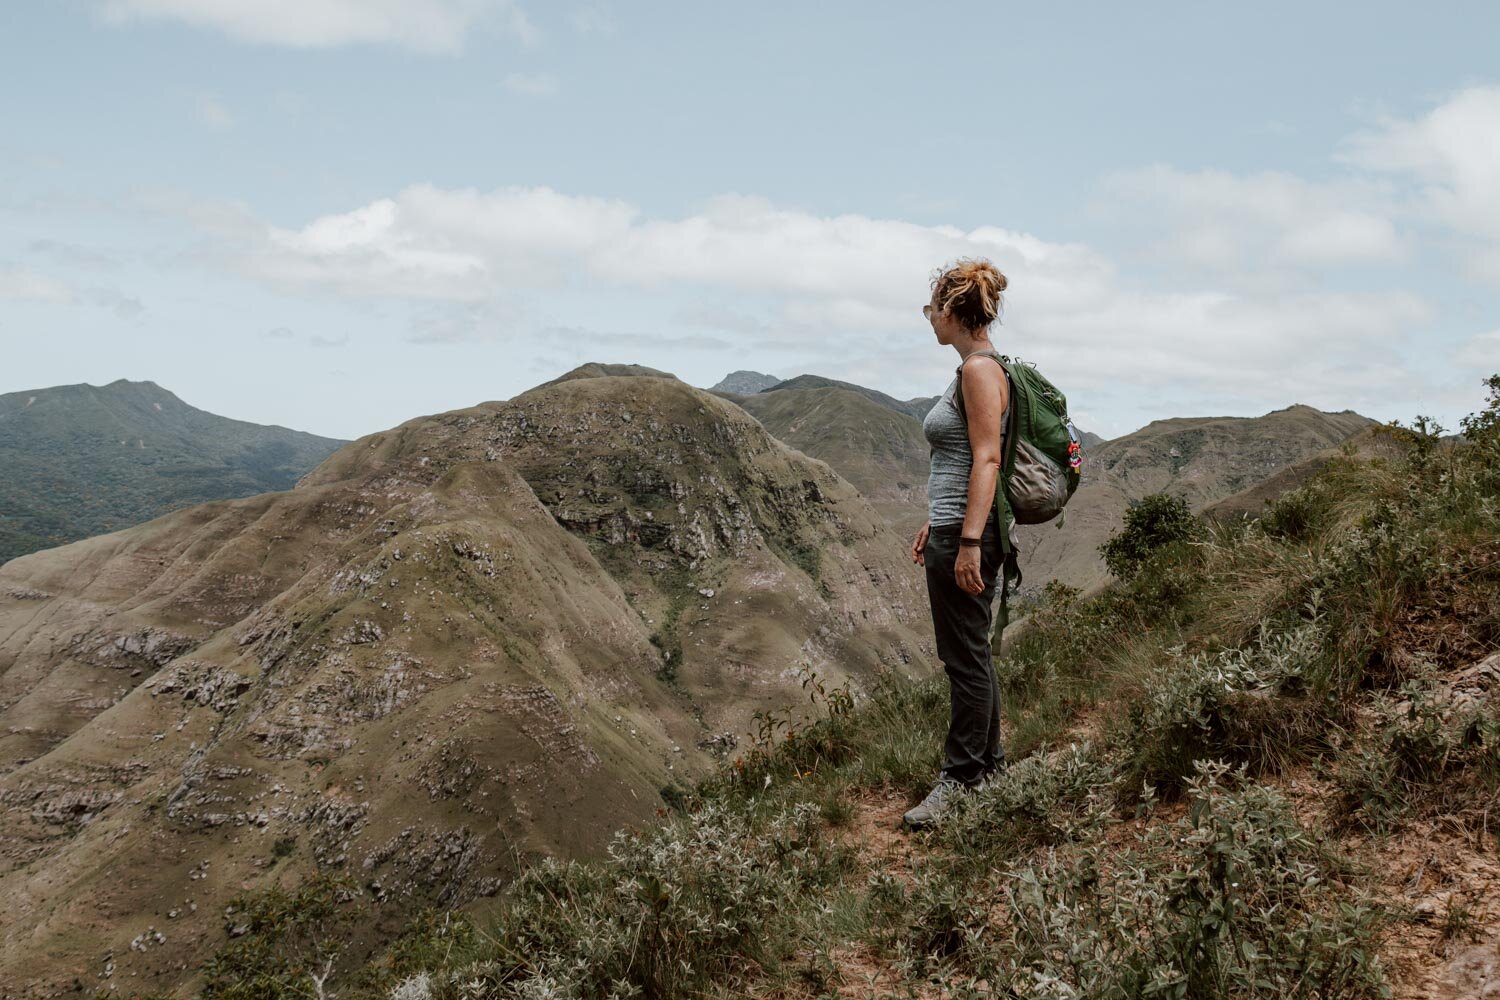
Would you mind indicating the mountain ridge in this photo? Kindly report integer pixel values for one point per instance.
(81, 459)
(917, 407)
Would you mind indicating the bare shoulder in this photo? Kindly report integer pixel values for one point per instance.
(988, 373)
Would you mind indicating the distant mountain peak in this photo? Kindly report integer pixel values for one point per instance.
(913, 407)
(599, 369)
(745, 382)
(83, 459)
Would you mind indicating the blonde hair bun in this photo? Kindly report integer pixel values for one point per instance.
(971, 289)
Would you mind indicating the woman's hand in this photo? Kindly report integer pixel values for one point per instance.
(919, 543)
(966, 569)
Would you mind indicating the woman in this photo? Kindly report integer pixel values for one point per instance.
(960, 544)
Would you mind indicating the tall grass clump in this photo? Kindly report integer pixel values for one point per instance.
(1233, 900)
(705, 899)
(888, 737)
(1421, 753)
(1408, 561)
(1069, 652)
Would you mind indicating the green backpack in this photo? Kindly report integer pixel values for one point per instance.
(1041, 465)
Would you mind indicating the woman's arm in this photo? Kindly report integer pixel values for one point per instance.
(985, 394)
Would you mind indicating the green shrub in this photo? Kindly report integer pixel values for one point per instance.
(1151, 523)
(1234, 899)
(947, 914)
(1243, 705)
(1484, 426)
(1418, 749)
(432, 939)
(1298, 514)
(700, 900)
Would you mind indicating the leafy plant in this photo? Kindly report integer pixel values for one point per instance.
(1243, 704)
(689, 902)
(1234, 899)
(1150, 524)
(1418, 748)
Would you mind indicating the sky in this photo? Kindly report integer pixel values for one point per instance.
(335, 215)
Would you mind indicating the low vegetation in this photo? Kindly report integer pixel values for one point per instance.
(1148, 838)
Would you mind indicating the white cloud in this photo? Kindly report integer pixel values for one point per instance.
(465, 245)
(428, 243)
(491, 321)
(424, 25)
(1453, 152)
(122, 305)
(307, 339)
(843, 292)
(1268, 220)
(75, 254)
(531, 84)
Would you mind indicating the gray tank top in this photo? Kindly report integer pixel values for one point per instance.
(952, 458)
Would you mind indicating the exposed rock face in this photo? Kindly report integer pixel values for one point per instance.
(482, 634)
(878, 448)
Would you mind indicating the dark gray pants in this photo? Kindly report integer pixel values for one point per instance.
(961, 622)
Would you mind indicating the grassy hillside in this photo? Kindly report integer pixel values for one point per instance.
(878, 449)
(916, 408)
(1200, 459)
(1263, 766)
(79, 460)
(473, 639)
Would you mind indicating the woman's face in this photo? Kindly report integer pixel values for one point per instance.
(944, 325)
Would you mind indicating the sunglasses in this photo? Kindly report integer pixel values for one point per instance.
(927, 311)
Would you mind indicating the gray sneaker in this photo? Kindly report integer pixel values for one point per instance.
(931, 809)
